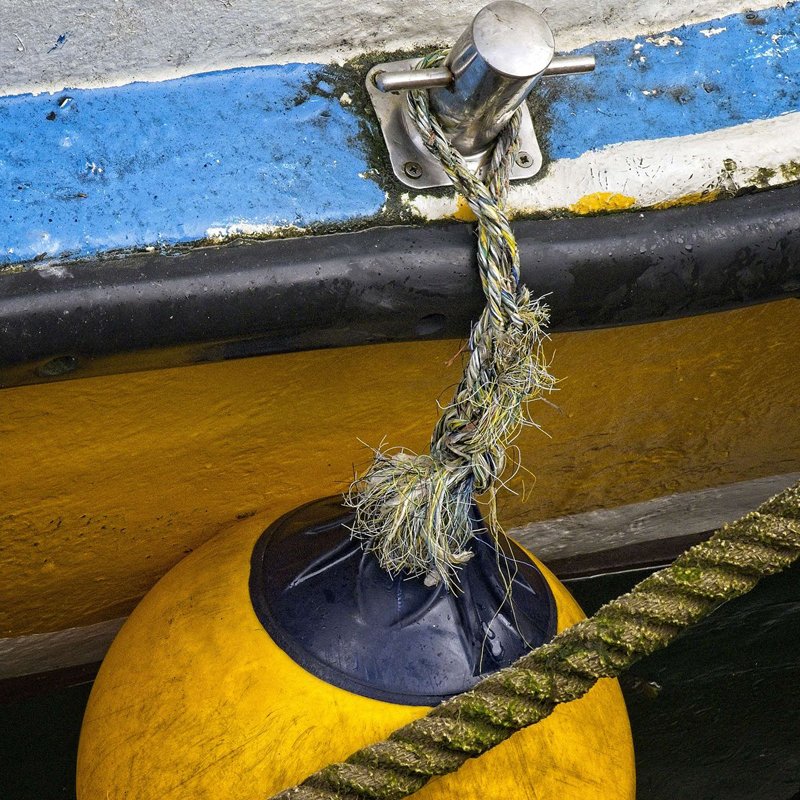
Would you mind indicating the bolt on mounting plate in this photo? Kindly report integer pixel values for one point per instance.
(412, 163)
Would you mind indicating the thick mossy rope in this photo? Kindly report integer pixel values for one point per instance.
(634, 625)
(413, 511)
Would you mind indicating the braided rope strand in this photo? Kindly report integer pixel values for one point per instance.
(413, 511)
(638, 623)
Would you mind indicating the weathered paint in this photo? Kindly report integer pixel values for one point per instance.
(657, 172)
(53, 45)
(169, 716)
(602, 201)
(463, 212)
(681, 83)
(271, 150)
(153, 164)
(112, 480)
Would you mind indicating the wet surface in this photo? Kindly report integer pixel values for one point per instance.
(714, 717)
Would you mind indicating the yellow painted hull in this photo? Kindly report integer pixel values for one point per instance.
(110, 481)
(194, 700)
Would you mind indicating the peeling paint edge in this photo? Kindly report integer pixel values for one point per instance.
(237, 230)
(720, 177)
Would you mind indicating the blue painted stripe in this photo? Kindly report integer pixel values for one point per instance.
(641, 90)
(161, 163)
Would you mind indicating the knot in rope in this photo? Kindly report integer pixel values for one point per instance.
(413, 511)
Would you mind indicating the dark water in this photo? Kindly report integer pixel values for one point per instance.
(39, 744)
(715, 717)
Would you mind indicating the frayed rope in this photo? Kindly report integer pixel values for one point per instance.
(413, 511)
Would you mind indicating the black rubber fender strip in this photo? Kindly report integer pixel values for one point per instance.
(387, 284)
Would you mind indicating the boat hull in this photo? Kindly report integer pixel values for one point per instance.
(114, 479)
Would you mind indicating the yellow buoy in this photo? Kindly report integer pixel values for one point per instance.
(196, 699)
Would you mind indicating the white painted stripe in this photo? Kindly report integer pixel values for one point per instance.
(654, 171)
(48, 46)
(590, 532)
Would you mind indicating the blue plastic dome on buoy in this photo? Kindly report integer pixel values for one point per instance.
(330, 606)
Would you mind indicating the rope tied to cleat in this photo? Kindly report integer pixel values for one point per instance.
(413, 511)
(638, 623)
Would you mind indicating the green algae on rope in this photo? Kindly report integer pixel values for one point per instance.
(413, 511)
(638, 623)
